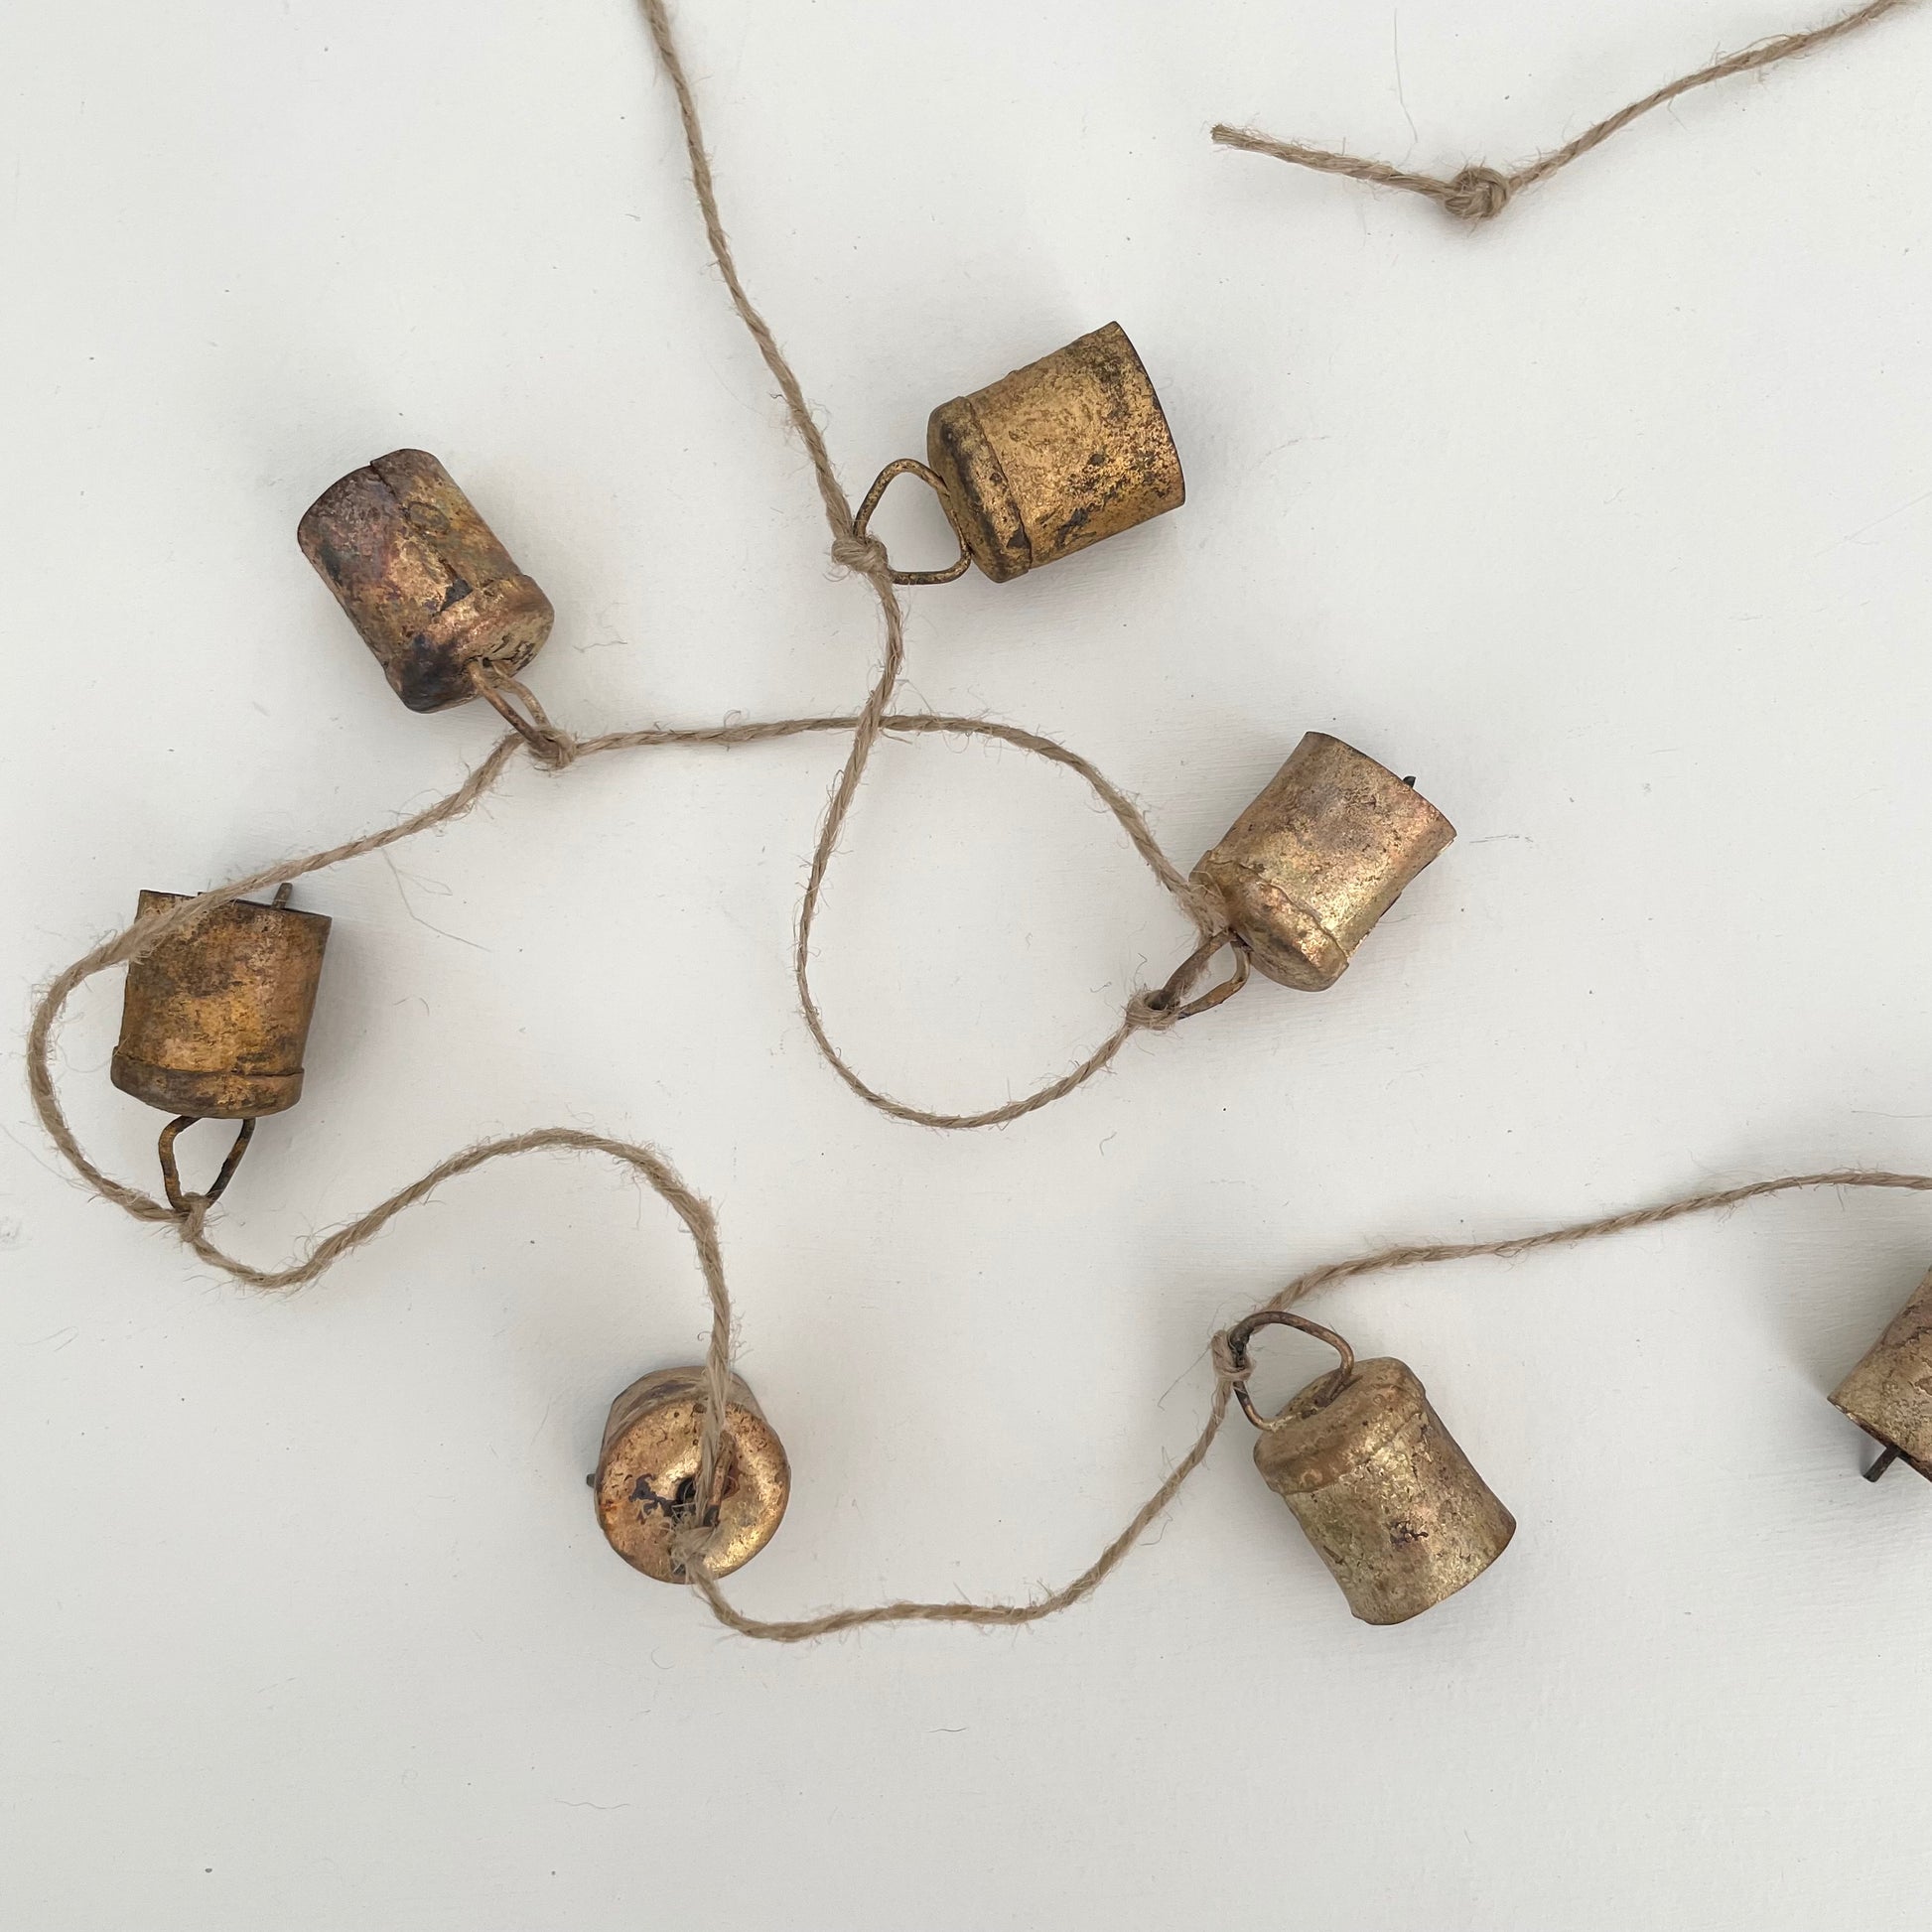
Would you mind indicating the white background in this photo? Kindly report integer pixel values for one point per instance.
(1610, 521)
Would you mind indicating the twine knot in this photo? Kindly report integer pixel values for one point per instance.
(553, 747)
(1156, 1010)
(1478, 195)
(191, 1216)
(1226, 1368)
(1152, 1008)
(866, 555)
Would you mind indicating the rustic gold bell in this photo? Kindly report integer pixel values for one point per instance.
(423, 577)
(648, 1472)
(1045, 461)
(1309, 866)
(1890, 1393)
(1391, 1505)
(214, 1019)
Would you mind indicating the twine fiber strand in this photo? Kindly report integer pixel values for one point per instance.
(1481, 194)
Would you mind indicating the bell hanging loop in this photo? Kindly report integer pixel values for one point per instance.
(519, 707)
(1163, 1001)
(171, 1174)
(1242, 1332)
(907, 465)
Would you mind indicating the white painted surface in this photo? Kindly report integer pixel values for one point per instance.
(1610, 521)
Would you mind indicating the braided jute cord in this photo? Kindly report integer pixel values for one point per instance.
(1481, 194)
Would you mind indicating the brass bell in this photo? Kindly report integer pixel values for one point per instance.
(214, 1019)
(1890, 1393)
(1045, 461)
(1391, 1505)
(1309, 866)
(648, 1473)
(422, 577)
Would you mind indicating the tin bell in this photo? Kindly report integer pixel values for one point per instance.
(646, 1477)
(1309, 866)
(438, 600)
(1391, 1505)
(1890, 1393)
(214, 1019)
(1054, 456)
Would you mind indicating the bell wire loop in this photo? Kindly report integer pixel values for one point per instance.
(1192, 965)
(494, 687)
(171, 1174)
(1238, 1338)
(907, 465)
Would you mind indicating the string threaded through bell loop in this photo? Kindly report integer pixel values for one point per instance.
(864, 555)
(550, 745)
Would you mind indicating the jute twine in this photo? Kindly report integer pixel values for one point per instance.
(549, 746)
(1481, 194)
(552, 747)
(1151, 1010)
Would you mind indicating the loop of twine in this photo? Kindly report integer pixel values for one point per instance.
(1152, 1010)
(1481, 194)
(1228, 1367)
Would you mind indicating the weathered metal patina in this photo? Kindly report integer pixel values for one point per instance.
(1391, 1505)
(647, 1475)
(1045, 461)
(214, 1019)
(1890, 1393)
(1309, 866)
(424, 579)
